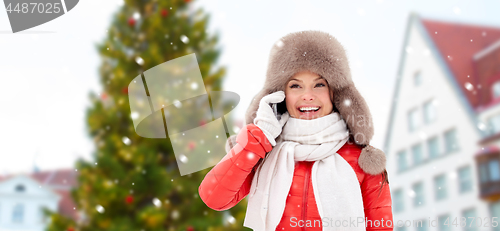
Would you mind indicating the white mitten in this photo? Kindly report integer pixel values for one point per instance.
(265, 118)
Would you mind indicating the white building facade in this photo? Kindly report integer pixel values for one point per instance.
(23, 196)
(21, 203)
(431, 140)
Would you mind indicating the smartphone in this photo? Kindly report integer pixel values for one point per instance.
(279, 109)
(275, 110)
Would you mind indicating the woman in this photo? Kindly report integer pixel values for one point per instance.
(310, 167)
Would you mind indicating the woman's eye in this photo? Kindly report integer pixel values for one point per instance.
(293, 85)
(320, 84)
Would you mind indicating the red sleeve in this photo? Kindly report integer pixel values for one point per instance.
(378, 208)
(229, 181)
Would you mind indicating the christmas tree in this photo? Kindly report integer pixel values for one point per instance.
(133, 183)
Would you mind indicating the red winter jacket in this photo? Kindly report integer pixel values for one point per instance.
(229, 182)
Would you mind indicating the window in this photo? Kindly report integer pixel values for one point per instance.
(20, 188)
(433, 147)
(450, 139)
(440, 187)
(416, 151)
(421, 225)
(429, 111)
(483, 172)
(494, 170)
(417, 78)
(398, 200)
(470, 219)
(413, 121)
(18, 213)
(489, 171)
(495, 89)
(402, 161)
(444, 222)
(464, 179)
(494, 124)
(418, 189)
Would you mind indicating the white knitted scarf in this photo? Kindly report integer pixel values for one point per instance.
(336, 188)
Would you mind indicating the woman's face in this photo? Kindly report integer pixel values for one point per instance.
(308, 96)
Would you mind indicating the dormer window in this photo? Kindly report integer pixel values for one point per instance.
(20, 188)
(496, 89)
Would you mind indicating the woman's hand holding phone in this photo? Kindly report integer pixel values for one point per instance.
(267, 120)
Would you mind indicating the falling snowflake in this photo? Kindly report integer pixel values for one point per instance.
(347, 102)
(177, 103)
(231, 219)
(136, 15)
(156, 202)
(250, 156)
(280, 43)
(236, 129)
(481, 126)
(184, 39)
(126, 140)
(411, 193)
(183, 158)
(453, 175)
(194, 86)
(134, 115)
(99, 209)
(422, 135)
(469, 86)
(139, 60)
(175, 214)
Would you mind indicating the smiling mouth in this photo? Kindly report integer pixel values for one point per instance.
(309, 109)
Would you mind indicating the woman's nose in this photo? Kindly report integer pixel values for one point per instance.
(308, 96)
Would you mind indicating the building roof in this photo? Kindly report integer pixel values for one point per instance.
(459, 58)
(60, 181)
(458, 43)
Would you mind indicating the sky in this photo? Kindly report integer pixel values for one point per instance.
(48, 71)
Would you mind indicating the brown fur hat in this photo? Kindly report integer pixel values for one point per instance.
(322, 54)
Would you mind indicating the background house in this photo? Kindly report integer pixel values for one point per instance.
(444, 112)
(22, 197)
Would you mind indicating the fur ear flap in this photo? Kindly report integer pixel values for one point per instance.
(355, 112)
(372, 160)
(230, 142)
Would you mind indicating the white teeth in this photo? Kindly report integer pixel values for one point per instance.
(308, 108)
